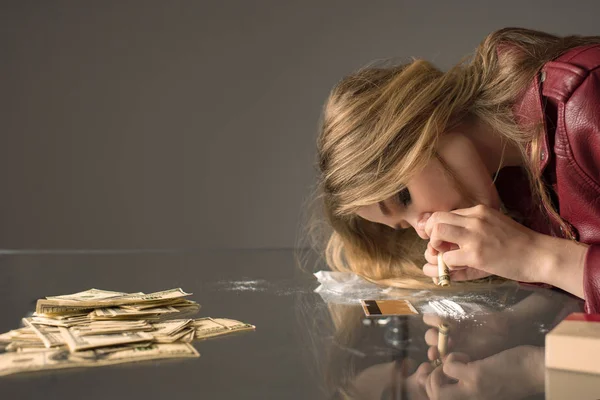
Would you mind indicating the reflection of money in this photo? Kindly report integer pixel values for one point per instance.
(11, 363)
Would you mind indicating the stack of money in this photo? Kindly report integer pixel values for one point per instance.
(99, 327)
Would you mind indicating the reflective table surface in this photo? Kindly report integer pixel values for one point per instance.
(312, 338)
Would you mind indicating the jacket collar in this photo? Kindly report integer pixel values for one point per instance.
(529, 114)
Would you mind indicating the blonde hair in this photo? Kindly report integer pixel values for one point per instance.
(380, 125)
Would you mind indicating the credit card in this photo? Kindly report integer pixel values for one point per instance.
(382, 308)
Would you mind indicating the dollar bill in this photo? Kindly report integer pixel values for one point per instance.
(30, 361)
(234, 325)
(210, 327)
(49, 307)
(79, 343)
(66, 323)
(18, 345)
(174, 337)
(189, 336)
(101, 328)
(120, 312)
(91, 294)
(170, 327)
(120, 300)
(22, 334)
(179, 302)
(49, 335)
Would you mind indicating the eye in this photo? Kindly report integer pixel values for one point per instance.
(403, 197)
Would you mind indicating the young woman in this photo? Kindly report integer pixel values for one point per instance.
(495, 163)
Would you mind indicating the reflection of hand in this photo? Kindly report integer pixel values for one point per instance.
(512, 374)
(479, 338)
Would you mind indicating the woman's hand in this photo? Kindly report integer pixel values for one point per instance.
(480, 241)
(512, 374)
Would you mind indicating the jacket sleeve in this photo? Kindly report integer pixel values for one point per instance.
(591, 280)
(575, 85)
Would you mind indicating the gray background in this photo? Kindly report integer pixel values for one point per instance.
(190, 124)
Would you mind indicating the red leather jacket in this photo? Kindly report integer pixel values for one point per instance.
(565, 97)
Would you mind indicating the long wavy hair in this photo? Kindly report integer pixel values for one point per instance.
(381, 124)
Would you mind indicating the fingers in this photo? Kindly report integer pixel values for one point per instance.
(431, 254)
(431, 337)
(477, 211)
(446, 218)
(444, 235)
(423, 372)
(433, 319)
(433, 353)
(456, 366)
(431, 270)
(434, 383)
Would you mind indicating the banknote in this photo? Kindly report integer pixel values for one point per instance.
(119, 300)
(90, 294)
(79, 343)
(234, 325)
(174, 337)
(100, 327)
(210, 327)
(170, 327)
(49, 335)
(67, 322)
(120, 312)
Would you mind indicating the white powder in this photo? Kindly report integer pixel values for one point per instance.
(246, 286)
(450, 309)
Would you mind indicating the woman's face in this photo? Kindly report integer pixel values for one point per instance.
(433, 189)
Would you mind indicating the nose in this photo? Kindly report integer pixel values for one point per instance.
(417, 221)
(419, 225)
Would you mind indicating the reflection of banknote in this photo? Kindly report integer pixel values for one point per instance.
(11, 363)
(78, 343)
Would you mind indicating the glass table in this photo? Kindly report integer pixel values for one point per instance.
(312, 339)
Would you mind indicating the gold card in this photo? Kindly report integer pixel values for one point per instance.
(382, 308)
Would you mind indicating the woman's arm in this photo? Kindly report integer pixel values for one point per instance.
(562, 263)
(490, 241)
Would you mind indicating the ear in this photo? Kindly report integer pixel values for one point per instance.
(466, 163)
